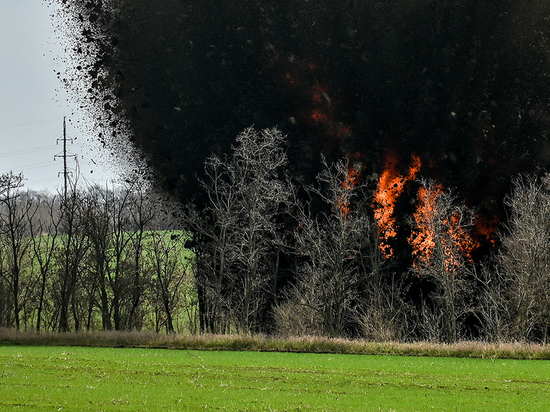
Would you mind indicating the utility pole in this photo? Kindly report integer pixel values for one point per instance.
(64, 155)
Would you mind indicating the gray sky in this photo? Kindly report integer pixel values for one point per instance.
(33, 103)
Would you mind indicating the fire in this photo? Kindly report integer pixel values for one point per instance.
(432, 223)
(438, 226)
(348, 184)
(319, 117)
(486, 228)
(466, 243)
(422, 239)
(319, 106)
(390, 186)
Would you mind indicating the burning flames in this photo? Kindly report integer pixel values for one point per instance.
(390, 186)
(439, 225)
(423, 237)
(347, 185)
(318, 107)
(318, 104)
(486, 228)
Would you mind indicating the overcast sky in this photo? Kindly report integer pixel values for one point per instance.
(33, 103)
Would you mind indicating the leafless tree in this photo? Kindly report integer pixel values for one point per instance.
(120, 274)
(44, 222)
(525, 257)
(333, 245)
(144, 208)
(14, 239)
(117, 219)
(238, 230)
(70, 258)
(170, 265)
(493, 307)
(212, 243)
(441, 243)
(98, 227)
(108, 227)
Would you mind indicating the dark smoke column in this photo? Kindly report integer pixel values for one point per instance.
(463, 84)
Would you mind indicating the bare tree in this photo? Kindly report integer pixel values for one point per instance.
(70, 258)
(120, 273)
(170, 273)
(331, 281)
(237, 230)
(98, 227)
(144, 209)
(212, 243)
(14, 238)
(116, 222)
(44, 230)
(441, 244)
(493, 307)
(525, 257)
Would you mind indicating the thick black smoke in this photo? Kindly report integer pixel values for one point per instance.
(464, 84)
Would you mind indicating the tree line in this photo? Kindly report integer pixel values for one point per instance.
(92, 259)
(277, 256)
(259, 252)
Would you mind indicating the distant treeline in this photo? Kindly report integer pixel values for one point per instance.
(93, 258)
(258, 252)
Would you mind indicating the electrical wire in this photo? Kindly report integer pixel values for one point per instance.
(29, 124)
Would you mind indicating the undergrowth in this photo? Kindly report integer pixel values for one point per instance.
(260, 343)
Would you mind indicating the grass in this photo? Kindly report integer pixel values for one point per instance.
(466, 349)
(41, 378)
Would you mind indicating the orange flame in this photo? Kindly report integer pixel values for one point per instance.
(349, 182)
(390, 186)
(318, 116)
(432, 227)
(423, 237)
(319, 106)
(486, 228)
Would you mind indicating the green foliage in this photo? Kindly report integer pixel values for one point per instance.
(80, 379)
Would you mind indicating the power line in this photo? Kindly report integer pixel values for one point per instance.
(64, 155)
(23, 152)
(35, 182)
(31, 166)
(28, 124)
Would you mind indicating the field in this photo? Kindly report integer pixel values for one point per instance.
(53, 378)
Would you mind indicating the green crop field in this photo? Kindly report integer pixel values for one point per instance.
(39, 378)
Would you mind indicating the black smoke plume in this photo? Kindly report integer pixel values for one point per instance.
(464, 84)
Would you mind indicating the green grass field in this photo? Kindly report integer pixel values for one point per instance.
(40, 378)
